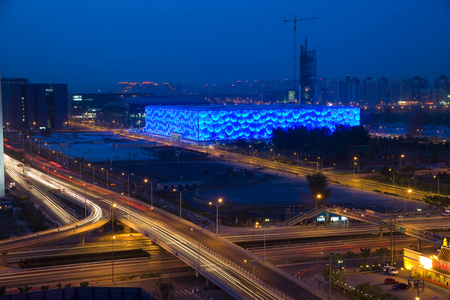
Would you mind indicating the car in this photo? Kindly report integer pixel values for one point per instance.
(390, 281)
(390, 270)
(400, 286)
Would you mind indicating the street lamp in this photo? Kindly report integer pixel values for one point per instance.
(181, 192)
(113, 238)
(85, 198)
(198, 249)
(256, 226)
(93, 173)
(151, 190)
(331, 256)
(400, 162)
(409, 196)
(128, 199)
(318, 197)
(253, 271)
(354, 164)
(217, 214)
(159, 220)
(393, 172)
(437, 177)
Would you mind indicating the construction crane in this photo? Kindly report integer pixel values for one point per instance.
(295, 20)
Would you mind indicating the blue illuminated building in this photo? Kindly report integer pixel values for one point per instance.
(250, 122)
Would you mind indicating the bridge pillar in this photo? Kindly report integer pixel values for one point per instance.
(381, 232)
(419, 244)
(82, 239)
(5, 259)
(327, 217)
(348, 222)
(126, 229)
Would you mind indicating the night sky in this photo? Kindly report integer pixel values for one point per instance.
(94, 44)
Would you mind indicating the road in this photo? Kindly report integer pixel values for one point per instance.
(215, 258)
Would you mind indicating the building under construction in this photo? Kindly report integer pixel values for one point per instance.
(307, 75)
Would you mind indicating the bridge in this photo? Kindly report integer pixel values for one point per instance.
(233, 269)
(389, 221)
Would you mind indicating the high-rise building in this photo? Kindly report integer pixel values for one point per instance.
(342, 91)
(406, 89)
(442, 89)
(369, 88)
(31, 107)
(383, 90)
(307, 75)
(353, 89)
(327, 91)
(418, 85)
(395, 91)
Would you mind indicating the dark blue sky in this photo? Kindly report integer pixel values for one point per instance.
(95, 44)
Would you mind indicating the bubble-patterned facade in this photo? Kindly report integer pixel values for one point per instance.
(211, 123)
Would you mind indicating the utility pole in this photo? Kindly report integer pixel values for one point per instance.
(295, 20)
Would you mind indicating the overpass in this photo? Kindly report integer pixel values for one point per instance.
(389, 221)
(239, 273)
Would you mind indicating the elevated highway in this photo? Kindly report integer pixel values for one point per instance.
(239, 273)
(390, 221)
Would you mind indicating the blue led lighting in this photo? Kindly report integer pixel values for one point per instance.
(225, 123)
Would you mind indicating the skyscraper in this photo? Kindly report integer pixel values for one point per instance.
(307, 75)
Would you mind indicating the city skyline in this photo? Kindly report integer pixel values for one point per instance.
(93, 46)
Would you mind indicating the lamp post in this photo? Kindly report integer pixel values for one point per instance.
(437, 177)
(128, 198)
(331, 256)
(159, 220)
(113, 238)
(393, 172)
(181, 192)
(198, 247)
(400, 161)
(354, 164)
(93, 173)
(256, 226)
(85, 199)
(151, 190)
(409, 191)
(217, 214)
(39, 146)
(253, 272)
(318, 197)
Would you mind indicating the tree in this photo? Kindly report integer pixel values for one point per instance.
(164, 290)
(365, 252)
(382, 252)
(44, 287)
(350, 254)
(2, 290)
(317, 184)
(84, 284)
(24, 289)
(436, 200)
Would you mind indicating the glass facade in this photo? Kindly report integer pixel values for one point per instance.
(232, 123)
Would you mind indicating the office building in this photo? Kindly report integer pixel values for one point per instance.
(32, 107)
